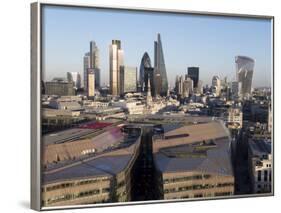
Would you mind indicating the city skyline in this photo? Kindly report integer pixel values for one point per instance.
(182, 46)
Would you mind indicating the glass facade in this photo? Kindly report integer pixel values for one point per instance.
(160, 77)
(244, 69)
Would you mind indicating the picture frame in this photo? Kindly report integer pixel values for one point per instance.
(176, 154)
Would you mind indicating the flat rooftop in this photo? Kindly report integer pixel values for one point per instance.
(194, 148)
(99, 167)
(74, 133)
(260, 147)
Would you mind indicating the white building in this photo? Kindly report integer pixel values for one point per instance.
(260, 161)
(234, 118)
(91, 83)
(216, 85)
(133, 107)
(116, 60)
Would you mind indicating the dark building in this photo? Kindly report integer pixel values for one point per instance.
(193, 73)
(160, 75)
(145, 63)
(149, 74)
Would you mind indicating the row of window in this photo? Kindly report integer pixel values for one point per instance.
(197, 187)
(71, 184)
(208, 195)
(187, 178)
(266, 176)
(74, 196)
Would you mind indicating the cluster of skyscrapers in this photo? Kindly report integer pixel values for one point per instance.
(122, 78)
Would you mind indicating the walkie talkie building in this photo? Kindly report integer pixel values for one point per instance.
(244, 72)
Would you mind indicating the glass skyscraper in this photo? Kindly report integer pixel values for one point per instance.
(94, 62)
(193, 73)
(160, 74)
(145, 63)
(244, 72)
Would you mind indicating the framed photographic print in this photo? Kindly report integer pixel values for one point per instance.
(140, 105)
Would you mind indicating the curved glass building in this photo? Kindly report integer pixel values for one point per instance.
(145, 63)
(244, 70)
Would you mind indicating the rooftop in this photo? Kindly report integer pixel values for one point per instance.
(200, 147)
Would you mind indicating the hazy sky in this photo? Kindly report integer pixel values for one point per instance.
(188, 40)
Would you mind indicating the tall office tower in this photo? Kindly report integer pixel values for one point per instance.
(216, 85)
(75, 78)
(244, 72)
(160, 75)
(193, 73)
(145, 64)
(116, 56)
(86, 62)
(91, 82)
(95, 62)
(128, 79)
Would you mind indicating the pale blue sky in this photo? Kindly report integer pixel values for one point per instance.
(209, 42)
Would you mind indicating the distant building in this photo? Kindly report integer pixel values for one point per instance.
(269, 122)
(235, 89)
(116, 57)
(91, 82)
(145, 64)
(74, 77)
(128, 79)
(187, 87)
(193, 73)
(160, 74)
(234, 118)
(149, 76)
(216, 85)
(87, 65)
(244, 72)
(260, 163)
(95, 62)
(60, 87)
(184, 86)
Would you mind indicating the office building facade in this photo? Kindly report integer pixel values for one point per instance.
(95, 62)
(244, 73)
(193, 73)
(145, 64)
(128, 79)
(91, 82)
(86, 66)
(60, 87)
(160, 75)
(116, 57)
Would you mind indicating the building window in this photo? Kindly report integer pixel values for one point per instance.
(259, 175)
(265, 175)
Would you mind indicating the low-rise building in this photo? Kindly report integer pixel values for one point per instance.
(260, 165)
(194, 161)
